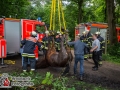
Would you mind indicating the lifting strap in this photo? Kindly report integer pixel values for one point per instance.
(61, 19)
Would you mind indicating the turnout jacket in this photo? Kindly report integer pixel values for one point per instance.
(83, 39)
(89, 39)
(57, 43)
(45, 42)
(29, 46)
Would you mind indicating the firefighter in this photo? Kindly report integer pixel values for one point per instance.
(28, 52)
(57, 41)
(45, 42)
(89, 42)
(102, 47)
(84, 39)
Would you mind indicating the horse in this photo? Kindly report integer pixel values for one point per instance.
(62, 58)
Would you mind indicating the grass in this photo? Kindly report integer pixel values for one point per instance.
(113, 59)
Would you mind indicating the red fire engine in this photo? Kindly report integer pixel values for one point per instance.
(94, 27)
(12, 31)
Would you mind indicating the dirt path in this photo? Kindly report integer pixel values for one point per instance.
(108, 75)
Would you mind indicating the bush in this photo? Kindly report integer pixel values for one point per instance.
(114, 50)
(113, 53)
(111, 58)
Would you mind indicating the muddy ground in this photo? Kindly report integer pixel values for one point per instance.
(107, 76)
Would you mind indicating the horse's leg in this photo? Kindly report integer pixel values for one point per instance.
(67, 69)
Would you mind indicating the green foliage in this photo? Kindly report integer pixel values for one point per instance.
(114, 50)
(60, 84)
(13, 8)
(111, 58)
(48, 79)
(47, 82)
(44, 82)
(113, 53)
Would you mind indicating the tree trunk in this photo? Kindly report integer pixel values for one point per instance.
(105, 18)
(111, 21)
(80, 2)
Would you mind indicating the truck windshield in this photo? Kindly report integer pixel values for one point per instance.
(40, 28)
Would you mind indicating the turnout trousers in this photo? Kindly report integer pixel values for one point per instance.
(32, 61)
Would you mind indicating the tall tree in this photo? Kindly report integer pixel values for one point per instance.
(79, 3)
(13, 8)
(111, 21)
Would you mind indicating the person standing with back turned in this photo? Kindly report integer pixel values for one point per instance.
(28, 53)
(95, 52)
(79, 55)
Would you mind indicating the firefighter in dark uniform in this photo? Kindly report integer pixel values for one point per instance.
(84, 39)
(102, 47)
(89, 42)
(57, 41)
(45, 41)
(28, 52)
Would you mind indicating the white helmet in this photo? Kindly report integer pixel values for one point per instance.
(97, 33)
(83, 32)
(46, 32)
(58, 32)
(33, 33)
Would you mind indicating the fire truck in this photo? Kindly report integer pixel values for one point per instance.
(12, 31)
(94, 27)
